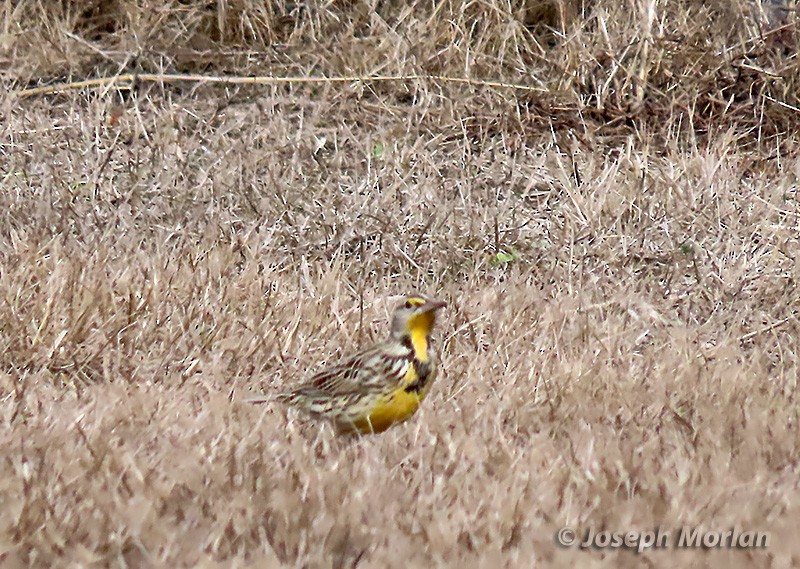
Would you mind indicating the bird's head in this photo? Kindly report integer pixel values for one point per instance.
(415, 315)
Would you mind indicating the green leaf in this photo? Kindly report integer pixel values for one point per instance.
(504, 257)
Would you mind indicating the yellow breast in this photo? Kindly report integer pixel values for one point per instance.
(395, 408)
(390, 409)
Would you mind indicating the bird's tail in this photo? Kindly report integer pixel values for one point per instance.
(275, 397)
(260, 399)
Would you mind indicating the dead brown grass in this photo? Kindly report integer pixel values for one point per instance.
(619, 251)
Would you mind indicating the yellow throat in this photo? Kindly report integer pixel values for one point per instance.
(419, 328)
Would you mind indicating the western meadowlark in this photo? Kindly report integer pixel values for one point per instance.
(372, 390)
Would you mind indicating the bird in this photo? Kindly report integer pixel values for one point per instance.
(382, 385)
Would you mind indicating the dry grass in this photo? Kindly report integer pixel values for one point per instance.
(620, 251)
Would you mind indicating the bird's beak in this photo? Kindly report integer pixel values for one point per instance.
(434, 304)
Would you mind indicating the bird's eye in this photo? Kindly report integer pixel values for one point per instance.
(408, 305)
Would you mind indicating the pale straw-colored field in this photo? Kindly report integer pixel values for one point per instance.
(618, 247)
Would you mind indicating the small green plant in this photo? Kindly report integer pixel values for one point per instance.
(504, 257)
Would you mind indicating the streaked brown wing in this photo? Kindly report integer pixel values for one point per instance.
(371, 371)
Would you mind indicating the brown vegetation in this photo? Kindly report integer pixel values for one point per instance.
(618, 247)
